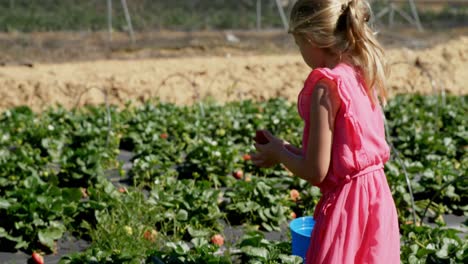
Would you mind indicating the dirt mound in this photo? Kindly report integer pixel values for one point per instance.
(185, 80)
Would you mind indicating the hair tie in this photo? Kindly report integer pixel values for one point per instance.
(345, 7)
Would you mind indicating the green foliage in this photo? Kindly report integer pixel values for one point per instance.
(260, 202)
(54, 166)
(433, 245)
(37, 214)
(254, 248)
(431, 138)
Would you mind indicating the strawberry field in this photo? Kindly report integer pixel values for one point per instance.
(161, 183)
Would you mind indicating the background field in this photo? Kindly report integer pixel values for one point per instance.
(84, 181)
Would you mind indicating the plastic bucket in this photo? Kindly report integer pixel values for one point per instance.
(301, 229)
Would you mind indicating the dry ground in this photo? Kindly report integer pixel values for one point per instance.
(72, 69)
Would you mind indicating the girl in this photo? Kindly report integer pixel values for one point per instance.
(343, 145)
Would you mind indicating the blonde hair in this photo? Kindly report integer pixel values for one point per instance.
(340, 27)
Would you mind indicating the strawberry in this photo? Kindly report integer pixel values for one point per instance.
(217, 240)
(293, 215)
(122, 190)
(37, 258)
(246, 157)
(164, 135)
(294, 194)
(238, 174)
(150, 235)
(260, 137)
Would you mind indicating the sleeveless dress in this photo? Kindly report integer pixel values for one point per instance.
(356, 217)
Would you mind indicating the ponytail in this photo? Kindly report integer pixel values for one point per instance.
(363, 48)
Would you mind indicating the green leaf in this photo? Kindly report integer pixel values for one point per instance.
(4, 204)
(255, 252)
(5, 234)
(49, 235)
(413, 260)
(253, 238)
(182, 215)
(71, 194)
(198, 232)
(21, 244)
(290, 259)
(199, 242)
(267, 226)
(442, 253)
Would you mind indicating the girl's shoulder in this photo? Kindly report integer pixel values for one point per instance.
(339, 82)
(335, 75)
(325, 79)
(331, 78)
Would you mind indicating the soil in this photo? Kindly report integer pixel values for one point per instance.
(75, 69)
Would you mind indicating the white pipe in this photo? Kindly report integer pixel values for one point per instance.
(259, 14)
(283, 16)
(109, 18)
(129, 20)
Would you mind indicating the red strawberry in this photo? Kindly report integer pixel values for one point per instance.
(238, 174)
(164, 135)
(217, 240)
(37, 258)
(260, 137)
(122, 190)
(294, 194)
(150, 235)
(246, 157)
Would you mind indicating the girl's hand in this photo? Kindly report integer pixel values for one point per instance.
(267, 154)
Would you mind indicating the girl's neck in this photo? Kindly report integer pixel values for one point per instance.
(331, 61)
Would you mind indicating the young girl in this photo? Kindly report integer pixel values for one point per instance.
(343, 145)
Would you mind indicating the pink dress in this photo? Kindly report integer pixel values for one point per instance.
(356, 218)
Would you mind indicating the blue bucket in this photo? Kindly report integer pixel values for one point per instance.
(301, 230)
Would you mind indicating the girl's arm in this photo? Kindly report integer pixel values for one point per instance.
(313, 167)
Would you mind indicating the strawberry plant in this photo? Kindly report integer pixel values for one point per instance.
(425, 244)
(192, 179)
(188, 205)
(258, 202)
(431, 150)
(181, 252)
(92, 147)
(254, 248)
(37, 214)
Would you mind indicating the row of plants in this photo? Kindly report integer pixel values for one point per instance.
(191, 181)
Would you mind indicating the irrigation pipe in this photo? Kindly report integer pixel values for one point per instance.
(108, 115)
(437, 193)
(408, 182)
